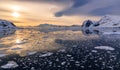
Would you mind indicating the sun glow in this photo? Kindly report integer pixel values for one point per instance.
(15, 14)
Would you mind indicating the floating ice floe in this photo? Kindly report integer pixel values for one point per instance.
(94, 51)
(105, 48)
(61, 50)
(10, 64)
(2, 55)
(46, 54)
(31, 53)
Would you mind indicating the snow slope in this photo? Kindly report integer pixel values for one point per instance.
(109, 21)
(105, 21)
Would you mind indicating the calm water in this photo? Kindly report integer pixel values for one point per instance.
(59, 50)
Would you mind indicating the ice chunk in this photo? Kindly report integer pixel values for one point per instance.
(31, 53)
(105, 48)
(61, 50)
(63, 63)
(46, 54)
(10, 64)
(94, 51)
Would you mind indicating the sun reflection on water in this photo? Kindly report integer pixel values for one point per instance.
(24, 42)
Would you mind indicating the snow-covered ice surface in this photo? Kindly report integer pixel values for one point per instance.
(31, 49)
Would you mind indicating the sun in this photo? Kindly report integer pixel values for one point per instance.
(15, 14)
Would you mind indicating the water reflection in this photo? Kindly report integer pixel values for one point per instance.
(25, 41)
(101, 31)
(64, 50)
(6, 32)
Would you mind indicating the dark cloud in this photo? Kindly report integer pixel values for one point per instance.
(113, 10)
(58, 14)
(82, 7)
(71, 10)
(78, 3)
(91, 7)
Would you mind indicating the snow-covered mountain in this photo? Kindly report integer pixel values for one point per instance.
(109, 21)
(6, 28)
(107, 25)
(106, 21)
(4, 24)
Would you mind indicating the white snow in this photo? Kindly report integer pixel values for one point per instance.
(10, 64)
(107, 21)
(110, 21)
(105, 48)
(107, 25)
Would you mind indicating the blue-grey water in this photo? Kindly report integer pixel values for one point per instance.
(59, 50)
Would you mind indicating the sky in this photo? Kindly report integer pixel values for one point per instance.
(58, 12)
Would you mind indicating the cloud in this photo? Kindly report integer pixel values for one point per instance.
(113, 10)
(91, 7)
(81, 7)
(4, 10)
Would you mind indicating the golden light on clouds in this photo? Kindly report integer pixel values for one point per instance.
(15, 14)
(34, 13)
(16, 8)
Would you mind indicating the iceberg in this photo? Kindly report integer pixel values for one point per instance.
(10, 64)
